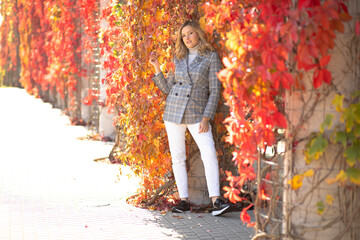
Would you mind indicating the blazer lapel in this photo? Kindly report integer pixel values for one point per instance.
(198, 59)
(183, 67)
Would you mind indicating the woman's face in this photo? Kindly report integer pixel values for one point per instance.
(189, 36)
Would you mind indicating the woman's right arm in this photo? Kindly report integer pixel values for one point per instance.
(163, 84)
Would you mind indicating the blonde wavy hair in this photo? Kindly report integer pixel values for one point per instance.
(180, 48)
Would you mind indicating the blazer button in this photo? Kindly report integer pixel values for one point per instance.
(176, 94)
(180, 83)
(188, 95)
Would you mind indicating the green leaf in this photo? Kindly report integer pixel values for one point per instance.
(352, 154)
(327, 123)
(338, 102)
(350, 117)
(356, 108)
(354, 175)
(321, 207)
(357, 131)
(318, 145)
(341, 137)
(355, 94)
(345, 137)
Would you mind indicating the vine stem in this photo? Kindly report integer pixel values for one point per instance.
(349, 225)
(166, 186)
(319, 182)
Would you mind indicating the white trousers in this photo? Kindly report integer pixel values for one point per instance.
(205, 142)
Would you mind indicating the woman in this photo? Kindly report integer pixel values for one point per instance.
(192, 98)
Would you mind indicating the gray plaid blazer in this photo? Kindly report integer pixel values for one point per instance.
(193, 91)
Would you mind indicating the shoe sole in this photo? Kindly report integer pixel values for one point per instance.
(178, 211)
(220, 212)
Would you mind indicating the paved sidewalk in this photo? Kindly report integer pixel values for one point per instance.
(50, 187)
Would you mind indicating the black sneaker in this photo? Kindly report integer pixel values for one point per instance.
(219, 207)
(183, 206)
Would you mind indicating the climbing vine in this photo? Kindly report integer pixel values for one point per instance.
(48, 42)
(10, 41)
(135, 29)
(271, 44)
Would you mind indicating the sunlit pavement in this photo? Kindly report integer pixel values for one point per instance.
(50, 187)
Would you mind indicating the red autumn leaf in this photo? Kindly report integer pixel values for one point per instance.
(305, 66)
(343, 7)
(357, 28)
(298, 84)
(313, 50)
(320, 76)
(281, 66)
(263, 195)
(265, 74)
(275, 78)
(337, 25)
(142, 137)
(264, 188)
(345, 17)
(303, 55)
(232, 194)
(325, 21)
(308, 3)
(317, 78)
(287, 80)
(245, 217)
(325, 60)
(280, 120)
(326, 76)
(269, 57)
(87, 100)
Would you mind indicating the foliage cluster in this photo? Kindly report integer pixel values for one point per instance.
(271, 45)
(52, 35)
(134, 30)
(10, 40)
(346, 136)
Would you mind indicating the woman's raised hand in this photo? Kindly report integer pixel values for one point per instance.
(154, 60)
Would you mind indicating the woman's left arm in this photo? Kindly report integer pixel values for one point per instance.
(214, 93)
(214, 87)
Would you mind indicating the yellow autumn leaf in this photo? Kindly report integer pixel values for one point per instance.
(296, 182)
(202, 22)
(331, 180)
(329, 199)
(338, 102)
(309, 173)
(354, 175)
(159, 15)
(341, 177)
(317, 155)
(356, 181)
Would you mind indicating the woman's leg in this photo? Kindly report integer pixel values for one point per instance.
(207, 149)
(176, 137)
